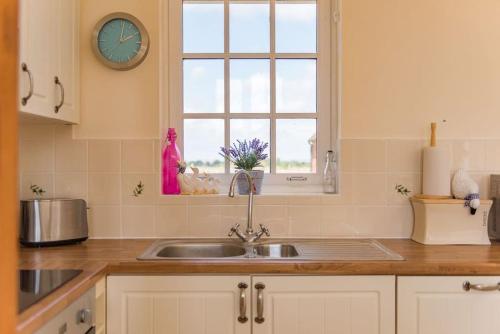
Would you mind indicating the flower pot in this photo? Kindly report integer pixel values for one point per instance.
(257, 176)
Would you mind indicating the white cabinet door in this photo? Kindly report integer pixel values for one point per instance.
(49, 48)
(324, 305)
(440, 305)
(67, 55)
(37, 46)
(176, 305)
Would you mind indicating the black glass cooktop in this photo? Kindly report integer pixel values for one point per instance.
(36, 284)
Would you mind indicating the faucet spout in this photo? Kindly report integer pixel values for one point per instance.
(249, 235)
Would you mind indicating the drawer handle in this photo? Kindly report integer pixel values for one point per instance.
(24, 99)
(243, 303)
(59, 83)
(467, 286)
(260, 303)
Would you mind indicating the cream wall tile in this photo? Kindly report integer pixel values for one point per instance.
(71, 155)
(404, 156)
(305, 221)
(72, 185)
(410, 181)
(312, 199)
(492, 150)
(337, 222)
(104, 222)
(138, 156)
(399, 222)
(43, 180)
(171, 221)
(271, 200)
(346, 155)
(138, 221)
(232, 215)
(104, 156)
(157, 155)
(274, 217)
(483, 180)
(149, 194)
(36, 131)
(469, 154)
(37, 155)
(369, 189)
(104, 189)
(369, 155)
(222, 199)
(345, 189)
(205, 221)
(370, 221)
(212, 200)
(172, 200)
(63, 132)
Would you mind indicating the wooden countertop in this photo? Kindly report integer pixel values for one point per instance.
(106, 257)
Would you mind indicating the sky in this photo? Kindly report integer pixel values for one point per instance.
(249, 78)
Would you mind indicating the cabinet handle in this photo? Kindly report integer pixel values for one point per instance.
(59, 83)
(260, 303)
(467, 286)
(243, 303)
(24, 100)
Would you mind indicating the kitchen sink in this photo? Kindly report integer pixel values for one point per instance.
(276, 250)
(201, 250)
(271, 249)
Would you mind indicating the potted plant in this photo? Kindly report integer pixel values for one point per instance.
(247, 155)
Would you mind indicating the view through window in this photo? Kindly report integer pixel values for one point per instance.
(250, 70)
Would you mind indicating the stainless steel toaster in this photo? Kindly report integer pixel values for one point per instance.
(48, 222)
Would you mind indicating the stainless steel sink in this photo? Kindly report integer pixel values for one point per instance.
(279, 250)
(276, 250)
(201, 250)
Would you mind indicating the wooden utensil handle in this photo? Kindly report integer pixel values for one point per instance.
(433, 135)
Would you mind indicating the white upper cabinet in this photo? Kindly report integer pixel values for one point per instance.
(441, 305)
(323, 305)
(49, 59)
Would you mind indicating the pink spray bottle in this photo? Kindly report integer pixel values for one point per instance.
(171, 157)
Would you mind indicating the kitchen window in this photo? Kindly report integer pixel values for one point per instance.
(243, 69)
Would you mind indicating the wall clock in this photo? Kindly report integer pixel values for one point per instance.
(120, 41)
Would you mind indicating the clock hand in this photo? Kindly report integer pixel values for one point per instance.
(121, 35)
(129, 37)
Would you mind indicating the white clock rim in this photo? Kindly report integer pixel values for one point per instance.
(143, 50)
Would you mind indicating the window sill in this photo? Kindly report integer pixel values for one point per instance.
(262, 199)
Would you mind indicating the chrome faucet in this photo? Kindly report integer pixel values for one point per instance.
(249, 235)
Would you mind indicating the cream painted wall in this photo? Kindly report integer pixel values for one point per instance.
(406, 63)
(116, 104)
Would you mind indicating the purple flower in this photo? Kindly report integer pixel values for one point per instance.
(246, 154)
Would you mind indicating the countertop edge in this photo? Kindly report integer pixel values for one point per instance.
(40, 313)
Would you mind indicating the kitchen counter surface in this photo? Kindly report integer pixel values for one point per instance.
(106, 257)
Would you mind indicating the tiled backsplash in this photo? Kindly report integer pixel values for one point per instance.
(105, 173)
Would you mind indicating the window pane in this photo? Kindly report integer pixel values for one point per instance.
(296, 146)
(203, 139)
(203, 26)
(250, 87)
(248, 129)
(296, 26)
(204, 86)
(249, 26)
(295, 85)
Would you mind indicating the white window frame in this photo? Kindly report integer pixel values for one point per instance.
(328, 88)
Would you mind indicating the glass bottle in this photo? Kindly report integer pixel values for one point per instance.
(171, 157)
(330, 174)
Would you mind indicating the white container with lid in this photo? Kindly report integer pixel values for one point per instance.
(449, 222)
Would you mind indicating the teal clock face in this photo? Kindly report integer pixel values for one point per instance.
(119, 41)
